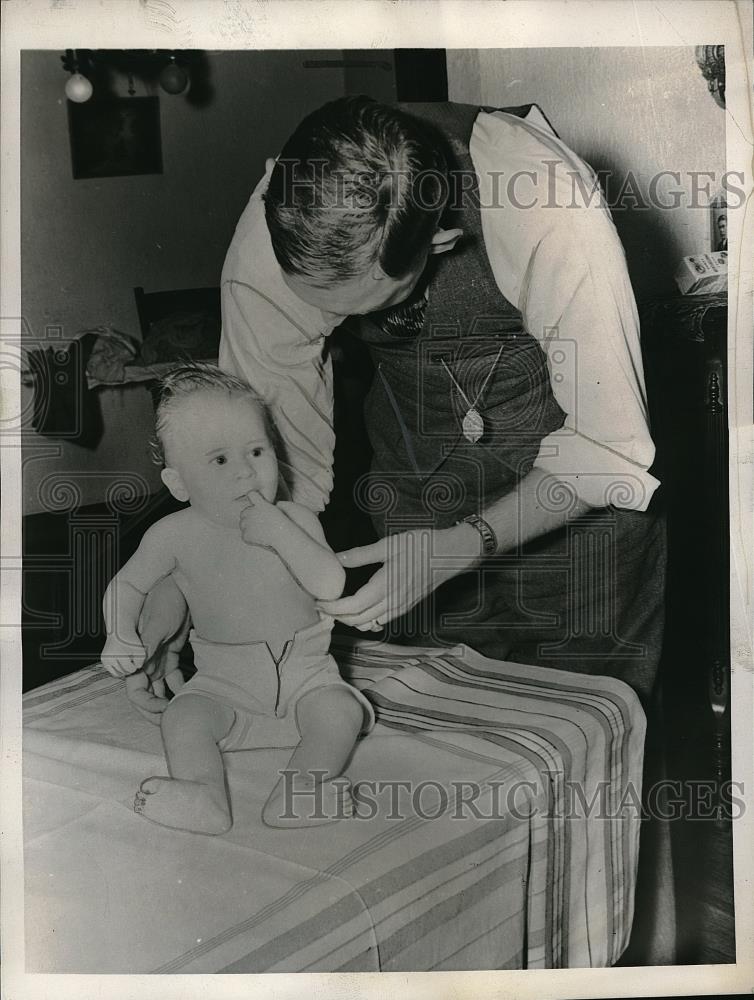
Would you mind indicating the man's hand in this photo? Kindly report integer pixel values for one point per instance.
(414, 564)
(123, 655)
(164, 625)
(261, 522)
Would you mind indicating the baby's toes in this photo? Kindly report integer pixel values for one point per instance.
(151, 785)
(148, 787)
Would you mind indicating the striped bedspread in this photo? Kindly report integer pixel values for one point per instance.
(497, 827)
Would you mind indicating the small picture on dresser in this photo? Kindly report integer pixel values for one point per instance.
(718, 210)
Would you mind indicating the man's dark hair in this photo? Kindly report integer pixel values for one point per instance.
(357, 183)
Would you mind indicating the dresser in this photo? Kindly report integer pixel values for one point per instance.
(684, 343)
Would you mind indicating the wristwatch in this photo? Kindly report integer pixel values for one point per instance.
(489, 538)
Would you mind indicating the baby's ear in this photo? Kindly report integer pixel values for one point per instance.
(172, 479)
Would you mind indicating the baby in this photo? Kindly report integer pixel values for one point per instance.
(251, 570)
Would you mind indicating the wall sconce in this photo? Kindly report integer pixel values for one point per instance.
(91, 70)
(173, 79)
(711, 61)
(78, 88)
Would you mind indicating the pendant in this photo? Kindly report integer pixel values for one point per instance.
(473, 426)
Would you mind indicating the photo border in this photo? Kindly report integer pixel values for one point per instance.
(59, 24)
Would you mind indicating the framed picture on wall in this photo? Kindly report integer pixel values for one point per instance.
(718, 221)
(115, 137)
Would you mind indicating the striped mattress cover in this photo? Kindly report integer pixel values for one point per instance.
(472, 849)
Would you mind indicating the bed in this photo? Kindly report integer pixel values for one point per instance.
(487, 859)
(175, 326)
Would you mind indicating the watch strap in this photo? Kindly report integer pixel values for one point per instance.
(489, 538)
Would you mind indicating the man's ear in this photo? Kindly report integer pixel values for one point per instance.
(445, 239)
(172, 479)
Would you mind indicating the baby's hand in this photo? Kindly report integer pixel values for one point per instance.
(123, 655)
(262, 521)
(148, 696)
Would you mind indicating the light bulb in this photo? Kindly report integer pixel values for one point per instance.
(78, 88)
(173, 79)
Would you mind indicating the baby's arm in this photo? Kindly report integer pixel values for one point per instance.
(295, 533)
(154, 559)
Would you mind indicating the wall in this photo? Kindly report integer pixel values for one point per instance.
(623, 109)
(87, 243)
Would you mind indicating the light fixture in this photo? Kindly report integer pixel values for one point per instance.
(78, 88)
(173, 78)
(97, 71)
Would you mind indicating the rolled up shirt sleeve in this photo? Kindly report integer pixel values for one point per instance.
(581, 308)
(284, 364)
(559, 260)
(276, 342)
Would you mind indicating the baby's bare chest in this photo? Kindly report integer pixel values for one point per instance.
(235, 590)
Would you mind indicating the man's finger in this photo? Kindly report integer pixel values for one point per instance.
(371, 595)
(364, 555)
(365, 619)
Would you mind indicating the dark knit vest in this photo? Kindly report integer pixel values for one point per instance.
(424, 470)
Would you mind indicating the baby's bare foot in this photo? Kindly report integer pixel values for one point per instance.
(184, 805)
(299, 800)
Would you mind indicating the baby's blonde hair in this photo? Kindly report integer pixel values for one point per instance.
(184, 382)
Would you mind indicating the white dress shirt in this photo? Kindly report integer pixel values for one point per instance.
(555, 255)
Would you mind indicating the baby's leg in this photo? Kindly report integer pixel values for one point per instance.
(194, 797)
(329, 720)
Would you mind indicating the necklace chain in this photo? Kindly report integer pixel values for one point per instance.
(466, 399)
